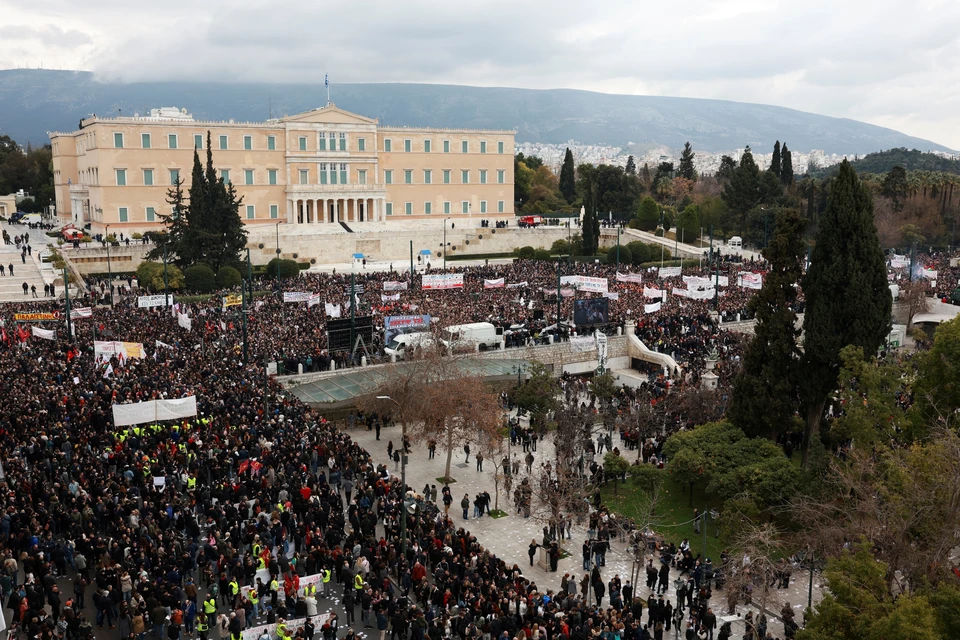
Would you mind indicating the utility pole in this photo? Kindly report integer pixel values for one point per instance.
(243, 312)
(411, 264)
(66, 296)
(618, 248)
(166, 284)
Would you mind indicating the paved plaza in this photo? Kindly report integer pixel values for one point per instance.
(509, 537)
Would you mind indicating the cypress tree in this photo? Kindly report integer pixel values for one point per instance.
(631, 168)
(687, 169)
(568, 182)
(847, 298)
(742, 193)
(765, 395)
(775, 163)
(786, 166)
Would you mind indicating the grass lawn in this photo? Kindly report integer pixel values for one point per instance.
(673, 509)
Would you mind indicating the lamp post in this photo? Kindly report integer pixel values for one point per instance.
(106, 230)
(403, 480)
(66, 297)
(243, 293)
(618, 248)
(445, 244)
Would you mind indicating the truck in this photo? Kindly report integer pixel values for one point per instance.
(475, 335)
(403, 343)
(529, 221)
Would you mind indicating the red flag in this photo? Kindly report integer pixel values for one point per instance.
(23, 334)
(244, 465)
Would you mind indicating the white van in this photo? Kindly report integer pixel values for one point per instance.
(30, 218)
(482, 335)
(736, 242)
(404, 342)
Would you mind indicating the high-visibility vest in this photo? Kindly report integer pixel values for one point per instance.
(326, 575)
(191, 482)
(358, 581)
(257, 549)
(210, 606)
(234, 587)
(274, 586)
(252, 597)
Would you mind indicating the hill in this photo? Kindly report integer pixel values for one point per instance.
(910, 159)
(35, 101)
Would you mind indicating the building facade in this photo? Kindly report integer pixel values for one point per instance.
(321, 167)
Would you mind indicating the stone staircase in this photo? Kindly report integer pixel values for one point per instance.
(11, 287)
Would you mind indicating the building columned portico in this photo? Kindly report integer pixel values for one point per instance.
(350, 203)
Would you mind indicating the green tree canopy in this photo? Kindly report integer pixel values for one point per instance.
(848, 301)
(200, 278)
(688, 224)
(568, 179)
(687, 169)
(648, 214)
(625, 257)
(937, 388)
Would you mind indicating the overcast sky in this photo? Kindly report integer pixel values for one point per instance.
(892, 63)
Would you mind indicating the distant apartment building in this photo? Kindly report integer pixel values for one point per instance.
(320, 167)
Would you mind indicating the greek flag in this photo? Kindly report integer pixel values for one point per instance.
(326, 79)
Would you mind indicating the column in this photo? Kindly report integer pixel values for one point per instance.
(318, 215)
(290, 208)
(356, 209)
(336, 210)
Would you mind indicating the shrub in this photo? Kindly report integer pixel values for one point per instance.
(200, 278)
(648, 214)
(625, 256)
(542, 254)
(527, 252)
(560, 247)
(639, 251)
(285, 268)
(228, 278)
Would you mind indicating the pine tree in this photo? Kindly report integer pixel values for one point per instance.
(176, 224)
(848, 301)
(742, 193)
(568, 181)
(786, 166)
(687, 169)
(765, 395)
(775, 163)
(645, 176)
(631, 166)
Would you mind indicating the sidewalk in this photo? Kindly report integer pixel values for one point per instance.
(509, 537)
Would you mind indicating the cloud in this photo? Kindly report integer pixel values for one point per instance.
(888, 62)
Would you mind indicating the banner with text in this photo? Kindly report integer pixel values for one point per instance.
(232, 301)
(154, 410)
(296, 296)
(750, 280)
(148, 302)
(494, 284)
(652, 292)
(633, 278)
(395, 325)
(669, 272)
(78, 313)
(394, 286)
(442, 281)
(104, 350)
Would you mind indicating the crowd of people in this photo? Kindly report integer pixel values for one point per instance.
(205, 526)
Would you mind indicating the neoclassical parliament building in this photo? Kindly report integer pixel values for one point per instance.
(321, 167)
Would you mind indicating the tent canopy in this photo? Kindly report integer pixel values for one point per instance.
(425, 252)
(358, 256)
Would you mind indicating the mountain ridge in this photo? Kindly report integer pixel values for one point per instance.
(34, 101)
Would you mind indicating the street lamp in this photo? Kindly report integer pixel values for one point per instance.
(403, 479)
(277, 225)
(445, 244)
(106, 231)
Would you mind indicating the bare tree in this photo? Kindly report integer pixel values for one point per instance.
(751, 567)
(913, 294)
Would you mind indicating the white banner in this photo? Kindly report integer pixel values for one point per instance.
(595, 285)
(333, 310)
(313, 300)
(750, 280)
(567, 293)
(394, 286)
(184, 321)
(569, 280)
(696, 282)
(516, 285)
(391, 298)
(651, 292)
(46, 334)
(669, 272)
(493, 284)
(442, 281)
(296, 296)
(634, 278)
(899, 262)
(154, 410)
(683, 293)
(148, 302)
(612, 295)
(78, 313)
(582, 344)
(164, 345)
(292, 627)
(652, 308)
(103, 350)
(930, 274)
